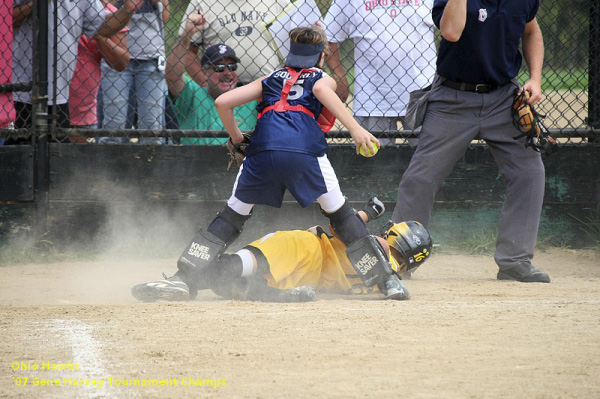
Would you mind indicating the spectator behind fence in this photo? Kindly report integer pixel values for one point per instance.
(83, 90)
(478, 62)
(7, 108)
(144, 74)
(394, 54)
(74, 19)
(195, 105)
(238, 24)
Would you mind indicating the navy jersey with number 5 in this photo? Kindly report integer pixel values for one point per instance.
(293, 131)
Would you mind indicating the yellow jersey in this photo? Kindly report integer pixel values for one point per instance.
(309, 257)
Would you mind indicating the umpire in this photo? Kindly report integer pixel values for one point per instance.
(478, 60)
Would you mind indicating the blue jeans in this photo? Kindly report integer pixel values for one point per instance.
(149, 85)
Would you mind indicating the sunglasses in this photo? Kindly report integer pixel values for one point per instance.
(221, 67)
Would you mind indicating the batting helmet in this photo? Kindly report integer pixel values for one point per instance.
(412, 242)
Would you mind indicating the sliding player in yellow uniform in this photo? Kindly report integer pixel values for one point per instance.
(289, 266)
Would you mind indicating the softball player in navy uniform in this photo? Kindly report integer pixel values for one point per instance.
(287, 152)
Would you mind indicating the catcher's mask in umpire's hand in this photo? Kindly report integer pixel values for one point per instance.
(410, 244)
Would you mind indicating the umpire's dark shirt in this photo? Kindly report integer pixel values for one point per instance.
(488, 49)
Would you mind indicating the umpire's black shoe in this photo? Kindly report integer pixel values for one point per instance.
(525, 273)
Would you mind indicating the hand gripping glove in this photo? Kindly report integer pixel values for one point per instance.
(237, 152)
(529, 123)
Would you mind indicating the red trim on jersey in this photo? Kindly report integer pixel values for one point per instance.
(326, 119)
(282, 105)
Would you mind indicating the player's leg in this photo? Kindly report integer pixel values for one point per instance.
(202, 251)
(240, 276)
(364, 251)
(206, 246)
(523, 171)
(255, 183)
(194, 265)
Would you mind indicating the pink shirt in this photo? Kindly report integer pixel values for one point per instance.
(84, 86)
(7, 107)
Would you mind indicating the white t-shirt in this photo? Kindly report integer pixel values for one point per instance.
(394, 50)
(74, 18)
(240, 25)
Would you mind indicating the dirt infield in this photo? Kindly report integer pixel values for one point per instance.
(462, 335)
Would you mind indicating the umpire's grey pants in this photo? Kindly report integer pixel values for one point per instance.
(454, 118)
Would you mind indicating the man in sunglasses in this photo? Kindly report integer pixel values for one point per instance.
(194, 105)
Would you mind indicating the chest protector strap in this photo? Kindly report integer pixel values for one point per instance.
(326, 119)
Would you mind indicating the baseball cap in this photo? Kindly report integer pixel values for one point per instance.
(217, 52)
(304, 55)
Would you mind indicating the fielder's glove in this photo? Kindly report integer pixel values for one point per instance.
(529, 123)
(237, 152)
(374, 208)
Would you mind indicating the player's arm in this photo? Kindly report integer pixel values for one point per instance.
(454, 20)
(114, 50)
(324, 90)
(339, 73)
(363, 216)
(226, 102)
(533, 52)
(21, 13)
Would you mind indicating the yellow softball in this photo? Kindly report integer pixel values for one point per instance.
(371, 152)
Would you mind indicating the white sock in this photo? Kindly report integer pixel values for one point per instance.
(247, 262)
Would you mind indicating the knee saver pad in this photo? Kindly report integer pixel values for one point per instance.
(234, 218)
(203, 250)
(347, 224)
(228, 224)
(368, 259)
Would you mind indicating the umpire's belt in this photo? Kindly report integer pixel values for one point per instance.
(475, 88)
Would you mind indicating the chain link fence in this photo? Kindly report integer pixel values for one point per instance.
(70, 71)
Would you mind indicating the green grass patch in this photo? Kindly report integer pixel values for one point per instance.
(590, 225)
(480, 243)
(560, 79)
